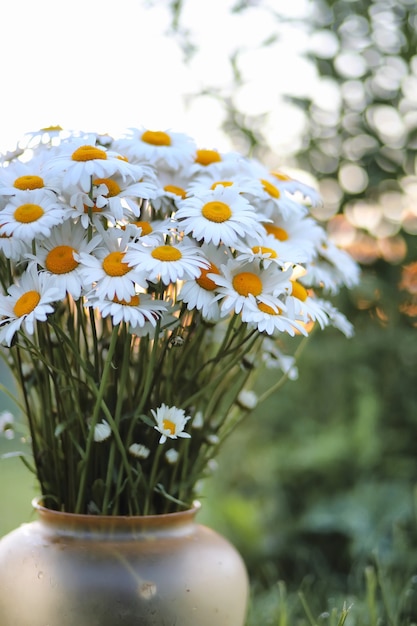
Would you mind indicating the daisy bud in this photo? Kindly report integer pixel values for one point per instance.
(139, 451)
(171, 456)
(247, 399)
(198, 421)
(102, 431)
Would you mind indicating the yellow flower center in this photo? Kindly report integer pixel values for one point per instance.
(204, 281)
(166, 253)
(224, 183)
(264, 250)
(60, 260)
(298, 291)
(51, 128)
(280, 176)
(265, 308)
(278, 232)
(246, 283)
(27, 213)
(145, 226)
(112, 186)
(177, 190)
(113, 264)
(134, 301)
(88, 153)
(93, 209)
(216, 211)
(169, 425)
(156, 138)
(26, 303)
(206, 157)
(270, 188)
(28, 182)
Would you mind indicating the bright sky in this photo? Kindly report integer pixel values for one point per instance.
(101, 65)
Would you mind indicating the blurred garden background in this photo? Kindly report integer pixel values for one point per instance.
(318, 488)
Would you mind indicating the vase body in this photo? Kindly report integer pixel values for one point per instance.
(160, 570)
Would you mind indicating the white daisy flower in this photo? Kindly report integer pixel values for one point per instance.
(221, 215)
(170, 422)
(147, 228)
(108, 270)
(298, 237)
(270, 320)
(22, 176)
(224, 174)
(56, 255)
(136, 311)
(80, 161)
(300, 305)
(26, 303)
(201, 293)
(168, 196)
(293, 186)
(168, 263)
(31, 214)
(337, 319)
(139, 451)
(332, 269)
(270, 250)
(207, 158)
(117, 194)
(240, 283)
(163, 148)
(13, 248)
(272, 199)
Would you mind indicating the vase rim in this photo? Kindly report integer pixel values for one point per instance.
(91, 518)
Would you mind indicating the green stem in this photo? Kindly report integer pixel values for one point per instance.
(97, 406)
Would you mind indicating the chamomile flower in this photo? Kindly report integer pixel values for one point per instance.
(136, 311)
(201, 293)
(164, 148)
(31, 214)
(224, 174)
(107, 270)
(299, 238)
(27, 302)
(13, 248)
(332, 269)
(270, 320)
(293, 186)
(269, 250)
(221, 215)
(170, 422)
(304, 307)
(172, 187)
(117, 194)
(207, 158)
(56, 255)
(168, 263)
(81, 161)
(20, 176)
(239, 284)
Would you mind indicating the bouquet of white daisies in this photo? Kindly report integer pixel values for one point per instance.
(144, 284)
